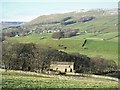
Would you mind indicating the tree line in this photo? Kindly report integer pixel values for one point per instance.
(37, 58)
(65, 34)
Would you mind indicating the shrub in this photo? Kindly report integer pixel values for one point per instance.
(67, 18)
(67, 23)
(70, 34)
(32, 57)
(100, 65)
(85, 19)
(58, 35)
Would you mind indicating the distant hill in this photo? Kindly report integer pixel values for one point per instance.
(74, 16)
(10, 23)
(97, 21)
(91, 21)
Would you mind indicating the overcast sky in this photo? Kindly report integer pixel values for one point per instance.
(26, 10)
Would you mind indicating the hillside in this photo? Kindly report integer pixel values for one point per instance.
(104, 20)
(31, 48)
(98, 26)
(75, 15)
(10, 23)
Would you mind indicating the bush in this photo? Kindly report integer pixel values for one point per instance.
(67, 18)
(58, 35)
(85, 19)
(37, 58)
(66, 34)
(69, 34)
(32, 57)
(67, 23)
(100, 65)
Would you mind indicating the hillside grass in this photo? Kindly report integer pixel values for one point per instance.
(26, 80)
(101, 24)
(102, 27)
(94, 46)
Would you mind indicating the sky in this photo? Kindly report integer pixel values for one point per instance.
(27, 10)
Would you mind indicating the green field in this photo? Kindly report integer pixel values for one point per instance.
(94, 47)
(102, 41)
(28, 80)
(101, 33)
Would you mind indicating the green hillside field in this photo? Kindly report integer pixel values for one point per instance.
(101, 33)
(12, 79)
(94, 47)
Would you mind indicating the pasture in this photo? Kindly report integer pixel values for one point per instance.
(95, 45)
(101, 34)
(12, 79)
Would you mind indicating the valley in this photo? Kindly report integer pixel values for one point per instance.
(88, 38)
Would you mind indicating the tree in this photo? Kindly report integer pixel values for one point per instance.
(37, 58)
(87, 18)
(70, 34)
(100, 65)
(66, 18)
(68, 22)
(58, 35)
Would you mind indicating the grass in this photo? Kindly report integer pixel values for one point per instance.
(94, 46)
(99, 22)
(15, 79)
(102, 27)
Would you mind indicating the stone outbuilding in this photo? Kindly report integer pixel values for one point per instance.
(62, 66)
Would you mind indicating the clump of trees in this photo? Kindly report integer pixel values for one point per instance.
(37, 58)
(58, 35)
(102, 66)
(66, 34)
(87, 18)
(68, 22)
(70, 34)
(66, 18)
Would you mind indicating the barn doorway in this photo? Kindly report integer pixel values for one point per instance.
(65, 70)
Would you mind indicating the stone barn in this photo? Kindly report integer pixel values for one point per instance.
(62, 66)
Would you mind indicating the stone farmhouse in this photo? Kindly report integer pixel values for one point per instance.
(63, 67)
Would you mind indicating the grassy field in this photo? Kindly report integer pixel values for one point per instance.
(94, 46)
(101, 42)
(101, 21)
(28, 80)
(104, 26)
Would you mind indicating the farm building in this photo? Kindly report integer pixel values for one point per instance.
(62, 66)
